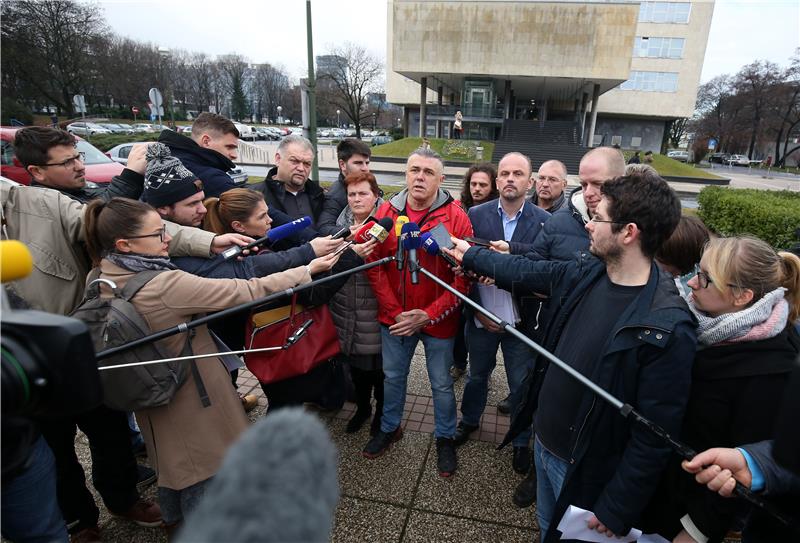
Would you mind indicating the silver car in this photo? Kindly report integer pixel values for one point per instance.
(86, 129)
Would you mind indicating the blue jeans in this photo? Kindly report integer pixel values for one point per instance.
(30, 509)
(397, 353)
(518, 359)
(550, 474)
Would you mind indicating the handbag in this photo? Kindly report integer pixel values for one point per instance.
(307, 337)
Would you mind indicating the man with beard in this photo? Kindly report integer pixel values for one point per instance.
(619, 321)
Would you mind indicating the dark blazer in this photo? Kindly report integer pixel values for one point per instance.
(487, 224)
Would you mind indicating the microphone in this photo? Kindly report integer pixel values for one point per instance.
(273, 236)
(16, 261)
(277, 483)
(432, 248)
(378, 231)
(410, 237)
(359, 237)
(398, 226)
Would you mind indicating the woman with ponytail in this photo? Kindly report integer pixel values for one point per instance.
(746, 297)
(186, 440)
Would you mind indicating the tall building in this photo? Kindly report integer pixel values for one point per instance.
(620, 71)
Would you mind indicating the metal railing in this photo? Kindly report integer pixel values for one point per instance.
(468, 111)
(253, 154)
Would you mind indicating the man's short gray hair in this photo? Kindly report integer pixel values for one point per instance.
(640, 169)
(295, 139)
(558, 164)
(427, 153)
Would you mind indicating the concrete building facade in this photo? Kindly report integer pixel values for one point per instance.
(620, 70)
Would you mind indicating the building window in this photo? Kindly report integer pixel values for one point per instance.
(664, 12)
(616, 140)
(636, 142)
(651, 82)
(648, 47)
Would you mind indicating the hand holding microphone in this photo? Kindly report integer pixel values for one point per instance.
(325, 245)
(273, 236)
(367, 240)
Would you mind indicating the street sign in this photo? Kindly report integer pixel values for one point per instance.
(80, 103)
(135, 109)
(712, 143)
(156, 98)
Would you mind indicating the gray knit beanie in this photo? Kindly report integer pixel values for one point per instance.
(166, 179)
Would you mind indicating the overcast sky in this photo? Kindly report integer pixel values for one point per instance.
(274, 31)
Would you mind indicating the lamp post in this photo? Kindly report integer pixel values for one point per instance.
(280, 119)
(165, 55)
(399, 122)
(338, 122)
(374, 120)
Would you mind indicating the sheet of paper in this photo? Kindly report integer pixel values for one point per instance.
(574, 525)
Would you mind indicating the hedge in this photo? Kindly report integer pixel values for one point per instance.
(104, 142)
(773, 216)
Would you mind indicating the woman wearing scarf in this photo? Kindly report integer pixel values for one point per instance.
(185, 440)
(746, 297)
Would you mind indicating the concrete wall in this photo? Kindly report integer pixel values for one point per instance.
(667, 104)
(651, 132)
(552, 39)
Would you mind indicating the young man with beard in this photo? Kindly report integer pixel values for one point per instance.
(618, 320)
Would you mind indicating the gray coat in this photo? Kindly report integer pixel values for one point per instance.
(355, 309)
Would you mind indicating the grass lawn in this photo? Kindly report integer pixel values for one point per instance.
(668, 166)
(462, 150)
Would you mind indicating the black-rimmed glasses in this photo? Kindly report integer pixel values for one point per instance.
(70, 162)
(162, 232)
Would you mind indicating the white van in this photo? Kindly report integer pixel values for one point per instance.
(246, 132)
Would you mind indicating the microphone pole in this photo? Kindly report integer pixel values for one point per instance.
(186, 326)
(626, 410)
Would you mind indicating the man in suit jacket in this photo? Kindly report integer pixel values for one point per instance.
(512, 223)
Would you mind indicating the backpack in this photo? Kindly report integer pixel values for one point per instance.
(115, 321)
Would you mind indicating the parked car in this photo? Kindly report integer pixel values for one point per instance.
(680, 156)
(737, 160)
(120, 154)
(718, 158)
(117, 128)
(86, 129)
(380, 140)
(264, 133)
(245, 132)
(99, 168)
(143, 127)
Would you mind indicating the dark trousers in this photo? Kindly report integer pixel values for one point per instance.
(365, 382)
(460, 346)
(114, 472)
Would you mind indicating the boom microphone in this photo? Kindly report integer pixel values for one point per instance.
(398, 229)
(432, 248)
(16, 261)
(411, 240)
(273, 236)
(277, 483)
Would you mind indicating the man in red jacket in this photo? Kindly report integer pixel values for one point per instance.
(424, 312)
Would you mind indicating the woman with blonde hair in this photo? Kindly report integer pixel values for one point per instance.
(746, 297)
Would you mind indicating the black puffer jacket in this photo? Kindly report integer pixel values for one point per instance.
(208, 165)
(565, 233)
(275, 193)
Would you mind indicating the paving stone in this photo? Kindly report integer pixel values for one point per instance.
(391, 477)
(481, 489)
(361, 520)
(423, 525)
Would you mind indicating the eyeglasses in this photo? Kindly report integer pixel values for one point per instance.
(162, 232)
(69, 163)
(703, 279)
(596, 220)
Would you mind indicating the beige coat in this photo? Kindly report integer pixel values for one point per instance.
(185, 441)
(51, 225)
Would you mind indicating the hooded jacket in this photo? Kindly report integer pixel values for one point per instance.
(208, 165)
(615, 465)
(557, 204)
(393, 287)
(565, 233)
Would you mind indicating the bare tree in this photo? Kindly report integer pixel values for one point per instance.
(755, 84)
(49, 45)
(357, 74)
(271, 88)
(677, 129)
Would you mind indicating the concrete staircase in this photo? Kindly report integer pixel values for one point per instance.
(557, 140)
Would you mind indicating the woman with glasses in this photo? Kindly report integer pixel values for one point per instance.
(185, 440)
(745, 296)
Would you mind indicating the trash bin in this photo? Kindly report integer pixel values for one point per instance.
(479, 153)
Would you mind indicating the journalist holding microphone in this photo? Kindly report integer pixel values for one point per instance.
(412, 309)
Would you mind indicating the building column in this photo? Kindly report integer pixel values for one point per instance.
(406, 119)
(576, 108)
(439, 124)
(507, 100)
(542, 112)
(584, 102)
(593, 122)
(423, 98)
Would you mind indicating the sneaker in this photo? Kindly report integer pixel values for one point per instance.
(504, 406)
(456, 373)
(375, 426)
(249, 401)
(381, 442)
(144, 477)
(87, 535)
(463, 432)
(358, 420)
(144, 512)
(446, 460)
(525, 493)
(521, 461)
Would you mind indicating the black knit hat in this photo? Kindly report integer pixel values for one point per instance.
(166, 179)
